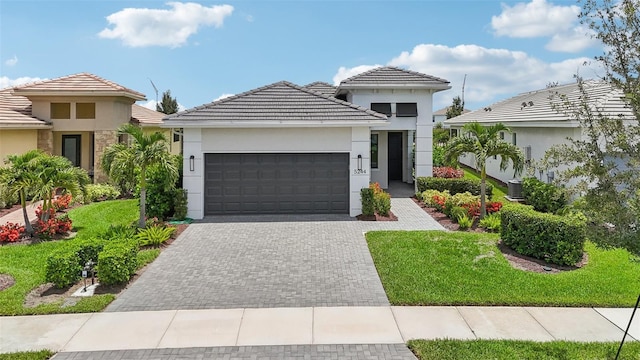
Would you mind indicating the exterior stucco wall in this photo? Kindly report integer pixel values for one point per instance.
(174, 147)
(197, 142)
(17, 142)
(111, 112)
(539, 139)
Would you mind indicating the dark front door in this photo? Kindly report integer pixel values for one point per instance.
(395, 156)
(71, 148)
(276, 183)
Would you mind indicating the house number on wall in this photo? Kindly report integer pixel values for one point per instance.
(359, 171)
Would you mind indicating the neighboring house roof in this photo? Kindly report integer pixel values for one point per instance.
(540, 107)
(444, 110)
(77, 84)
(278, 104)
(146, 117)
(322, 87)
(15, 113)
(393, 77)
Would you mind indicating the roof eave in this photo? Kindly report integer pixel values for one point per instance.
(27, 93)
(438, 87)
(24, 126)
(269, 124)
(520, 124)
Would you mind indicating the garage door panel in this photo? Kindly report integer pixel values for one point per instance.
(276, 183)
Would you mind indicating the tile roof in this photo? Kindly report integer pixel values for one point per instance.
(322, 87)
(444, 110)
(77, 83)
(389, 76)
(278, 103)
(536, 106)
(15, 112)
(146, 117)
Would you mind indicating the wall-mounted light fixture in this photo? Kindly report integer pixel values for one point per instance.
(192, 163)
(359, 162)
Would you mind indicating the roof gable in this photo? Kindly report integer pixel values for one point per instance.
(390, 76)
(278, 103)
(322, 87)
(146, 117)
(77, 84)
(537, 107)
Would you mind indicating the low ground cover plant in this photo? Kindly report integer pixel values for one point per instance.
(154, 235)
(464, 268)
(454, 186)
(11, 232)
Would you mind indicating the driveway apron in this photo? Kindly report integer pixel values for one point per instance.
(276, 261)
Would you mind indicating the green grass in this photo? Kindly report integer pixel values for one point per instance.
(26, 263)
(455, 268)
(499, 191)
(521, 350)
(28, 355)
(147, 256)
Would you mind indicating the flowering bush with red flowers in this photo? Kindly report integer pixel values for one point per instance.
(493, 207)
(62, 202)
(46, 229)
(11, 232)
(438, 201)
(447, 172)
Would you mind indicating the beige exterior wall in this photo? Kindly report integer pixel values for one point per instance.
(17, 142)
(173, 146)
(111, 112)
(45, 140)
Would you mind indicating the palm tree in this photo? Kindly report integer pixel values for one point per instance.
(20, 177)
(484, 142)
(143, 151)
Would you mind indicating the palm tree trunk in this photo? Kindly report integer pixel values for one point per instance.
(143, 198)
(27, 224)
(483, 191)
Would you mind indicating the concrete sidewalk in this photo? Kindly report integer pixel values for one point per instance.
(17, 217)
(307, 326)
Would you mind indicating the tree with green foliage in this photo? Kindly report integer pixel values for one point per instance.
(19, 177)
(484, 142)
(456, 108)
(143, 151)
(168, 105)
(602, 164)
(440, 134)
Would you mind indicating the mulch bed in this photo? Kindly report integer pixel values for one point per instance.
(518, 261)
(6, 281)
(377, 217)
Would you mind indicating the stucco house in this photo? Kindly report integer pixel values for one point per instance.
(537, 123)
(285, 148)
(75, 116)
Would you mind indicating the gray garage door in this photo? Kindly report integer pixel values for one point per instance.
(276, 183)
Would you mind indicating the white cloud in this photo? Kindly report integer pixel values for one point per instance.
(138, 27)
(492, 74)
(222, 97)
(534, 19)
(11, 62)
(345, 73)
(576, 40)
(151, 104)
(5, 82)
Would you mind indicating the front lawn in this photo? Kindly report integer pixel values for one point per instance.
(510, 349)
(443, 268)
(26, 263)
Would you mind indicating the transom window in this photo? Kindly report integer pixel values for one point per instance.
(382, 108)
(374, 151)
(60, 110)
(85, 110)
(406, 109)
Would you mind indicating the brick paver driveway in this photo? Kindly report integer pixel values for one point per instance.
(261, 262)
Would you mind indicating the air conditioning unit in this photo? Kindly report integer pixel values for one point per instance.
(514, 188)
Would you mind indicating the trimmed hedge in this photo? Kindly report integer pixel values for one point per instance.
(556, 239)
(368, 205)
(543, 197)
(454, 186)
(65, 265)
(117, 262)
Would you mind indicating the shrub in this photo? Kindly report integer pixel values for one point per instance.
(438, 155)
(465, 222)
(454, 186)
(543, 197)
(464, 200)
(100, 192)
(119, 232)
(62, 202)
(491, 222)
(89, 249)
(117, 262)
(556, 239)
(180, 204)
(435, 199)
(161, 191)
(493, 206)
(155, 235)
(63, 267)
(447, 172)
(11, 232)
(7, 199)
(366, 197)
(53, 225)
(458, 211)
(383, 203)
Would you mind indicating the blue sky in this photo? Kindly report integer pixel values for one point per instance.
(203, 50)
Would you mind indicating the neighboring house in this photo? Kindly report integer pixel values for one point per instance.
(287, 149)
(536, 124)
(150, 122)
(441, 115)
(75, 116)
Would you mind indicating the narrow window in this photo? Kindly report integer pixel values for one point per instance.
(60, 110)
(406, 109)
(71, 148)
(85, 110)
(382, 108)
(374, 151)
(514, 139)
(176, 137)
(501, 135)
(454, 132)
